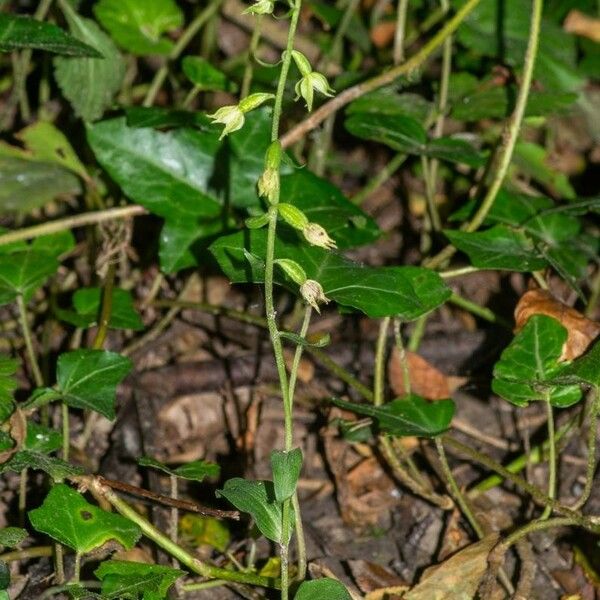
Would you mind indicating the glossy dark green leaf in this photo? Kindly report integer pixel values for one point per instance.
(87, 303)
(8, 385)
(257, 498)
(127, 579)
(390, 101)
(196, 470)
(12, 536)
(168, 173)
(89, 84)
(139, 27)
(205, 76)
(67, 517)
(42, 439)
(408, 416)
(320, 589)
(29, 184)
(57, 468)
(407, 292)
(89, 379)
(585, 369)
(499, 247)
(20, 32)
(531, 361)
(157, 116)
(286, 467)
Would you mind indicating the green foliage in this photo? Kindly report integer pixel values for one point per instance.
(196, 470)
(133, 580)
(42, 439)
(12, 536)
(585, 369)
(205, 76)
(87, 304)
(408, 416)
(286, 468)
(257, 498)
(18, 32)
(407, 292)
(8, 384)
(68, 518)
(198, 530)
(531, 362)
(139, 26)
(320, 589)
(57, 468)
(89, 84)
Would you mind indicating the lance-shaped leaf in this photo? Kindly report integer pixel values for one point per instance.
(127, 579)
(139, 27)
(67, 517)
(257, 498)
(196, 470)
(321, 589)
(530, 364)
(407, 416)
(286, 468)
(89, 84)
(89, 379)
(19, 32)
(407, 292)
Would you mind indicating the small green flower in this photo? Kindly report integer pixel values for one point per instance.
(230, 116)
(310, 82)
(312, 293)
(318, 236)
(261, 7)
(268, 184)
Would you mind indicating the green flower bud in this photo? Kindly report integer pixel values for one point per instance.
(292, 216)
(260, 7)
(318, 236)
(302, 63)
(312, 293)
(292, 269)
(268, 184)
(254, 101)
(273, 155)
(310, 82)
(230, 116)
(257, 222)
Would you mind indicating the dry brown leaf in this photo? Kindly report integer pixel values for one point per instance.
(376, 581)
(582, 24)
(457, 578)
(425, 379)
(18, 431)
(582, 331)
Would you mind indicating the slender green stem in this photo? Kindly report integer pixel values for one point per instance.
(434, 213)
(479, 311)
(66, 431)
(458, 272)
(456, 491)
(379, 178)
(186, 37)
(509, 137)
(402, 354)
(106, 310)
(77, 568)
(551, 456)
(400, 33)
(379, 378)
(164, 542)
(591, 448)
(249, 66)
(27, 553)
(59, 568)
(27, 337)
(538, 525)
(417, 335)
(81, 220)
(300, 539)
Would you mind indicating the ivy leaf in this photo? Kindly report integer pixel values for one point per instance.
(286, 468)
(407, 416)
(12, 536)
(87, 304)
(22, 273)
(8, 385)
(158, 117)
(407, 292)
(42, 439)
(388, 101)
(68, 518)
(320, 589)
(528, 366)
(196, 470)
(204, 76)
(89, 379)
(583, 370)
(257, 498)
(57, 468)
(128, 579)
(89, 84)
(18, 32)
(139, 26)
(499, 247)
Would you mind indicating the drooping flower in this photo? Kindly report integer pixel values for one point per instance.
(318, 236)
(230, 116)
(312, 293)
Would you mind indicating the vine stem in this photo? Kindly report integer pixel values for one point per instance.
(400, 33)
(186, 37)
(90, 218)
(379, 379)
(389, 76)
(551, 456)
(505, 151)
(164, 542)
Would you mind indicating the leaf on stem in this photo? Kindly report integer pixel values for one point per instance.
(286, 468)
(196, 470)
(319, 589)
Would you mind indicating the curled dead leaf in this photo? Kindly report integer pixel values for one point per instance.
(425, 379)
(584, 25)
(18, 431)
(581, 330)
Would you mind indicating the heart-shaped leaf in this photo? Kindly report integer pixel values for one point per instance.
(89, 379)
(407, 292)
(67, 517)
(407, 416)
